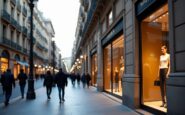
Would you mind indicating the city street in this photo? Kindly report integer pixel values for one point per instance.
(78, 101)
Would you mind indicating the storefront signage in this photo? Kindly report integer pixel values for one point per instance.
(142, 5)
(113, 32)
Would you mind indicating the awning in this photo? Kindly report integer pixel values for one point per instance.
(23, 63)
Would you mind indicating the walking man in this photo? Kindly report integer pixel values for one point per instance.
(8, 81)
(48, 82)
(61, 81)
(22, 77)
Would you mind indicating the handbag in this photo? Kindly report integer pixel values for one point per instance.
(157, 83)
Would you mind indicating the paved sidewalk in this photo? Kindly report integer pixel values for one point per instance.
(79, 101)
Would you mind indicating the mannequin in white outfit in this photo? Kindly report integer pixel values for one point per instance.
(164, 69)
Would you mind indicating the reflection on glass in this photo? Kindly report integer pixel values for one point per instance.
(117, 59)
(107, 68)
(94, 69)
(114, 66)
(4, 64)
(154, 33)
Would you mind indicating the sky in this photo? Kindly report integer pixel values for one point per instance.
(63, 15)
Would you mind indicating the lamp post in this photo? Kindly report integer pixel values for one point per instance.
(31, 92)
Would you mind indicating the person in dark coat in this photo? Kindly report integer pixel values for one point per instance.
(3, 88)
(22, 77)
(88, 79)
(83, 80)
(8, 81)
(73, 79)
(78, 78)
(48, 82)
(61, 81)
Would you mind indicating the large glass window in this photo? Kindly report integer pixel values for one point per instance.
(4, 64)
(94, 69)
(155, 29)
(117, 64)
(114, 66)
(110, 18)
(107, 68)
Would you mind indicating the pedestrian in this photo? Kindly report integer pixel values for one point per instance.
(83, 80)
(78, 78)
(61, 81)
(73, 79)
(3, 88)
(22, 77)
(8, 81)
(88, 79)
(48, 82)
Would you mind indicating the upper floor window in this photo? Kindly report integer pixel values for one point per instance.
(110, 18)
(4, 31)
(23, 21)
(12, 11)
(103, 26)
(4, 4)
(18, 35)
(18, 17)
(12, 35)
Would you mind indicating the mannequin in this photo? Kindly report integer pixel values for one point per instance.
(164, 70)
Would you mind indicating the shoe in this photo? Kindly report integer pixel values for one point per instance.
(60, 101)
(162, 105)
(49, 97)
(165, 105)
(6, 103)
(63, 99)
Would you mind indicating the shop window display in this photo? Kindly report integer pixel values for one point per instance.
(155, 29)
(114, 66)
(94, 70)
(4, 64)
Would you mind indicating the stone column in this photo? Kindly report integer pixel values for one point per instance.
(89, 60)
(176, 80)
(99, 60)
(131, 80)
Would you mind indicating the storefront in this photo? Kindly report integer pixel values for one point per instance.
(17, 66)
(154, 38)
(94, 69)
(4, 61)
(113, 60)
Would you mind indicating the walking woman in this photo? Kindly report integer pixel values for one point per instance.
(48, 82)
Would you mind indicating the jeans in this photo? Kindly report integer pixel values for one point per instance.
(63, 92)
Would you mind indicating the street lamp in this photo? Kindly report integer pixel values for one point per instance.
(31, 92)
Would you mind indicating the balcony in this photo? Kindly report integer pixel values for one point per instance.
(18, 26)
(90, 14)
(19, 48)
(6, 41)
(25, 50)
(24, 30)
(13, 45)
(24, 11)
(19, 7)
(5, 16)
(13, 22)
(13, 2)
(86, 5)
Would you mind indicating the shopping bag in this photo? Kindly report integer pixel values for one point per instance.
(157, 83)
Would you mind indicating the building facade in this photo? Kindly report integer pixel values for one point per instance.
(15, 37)
(120, 44)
